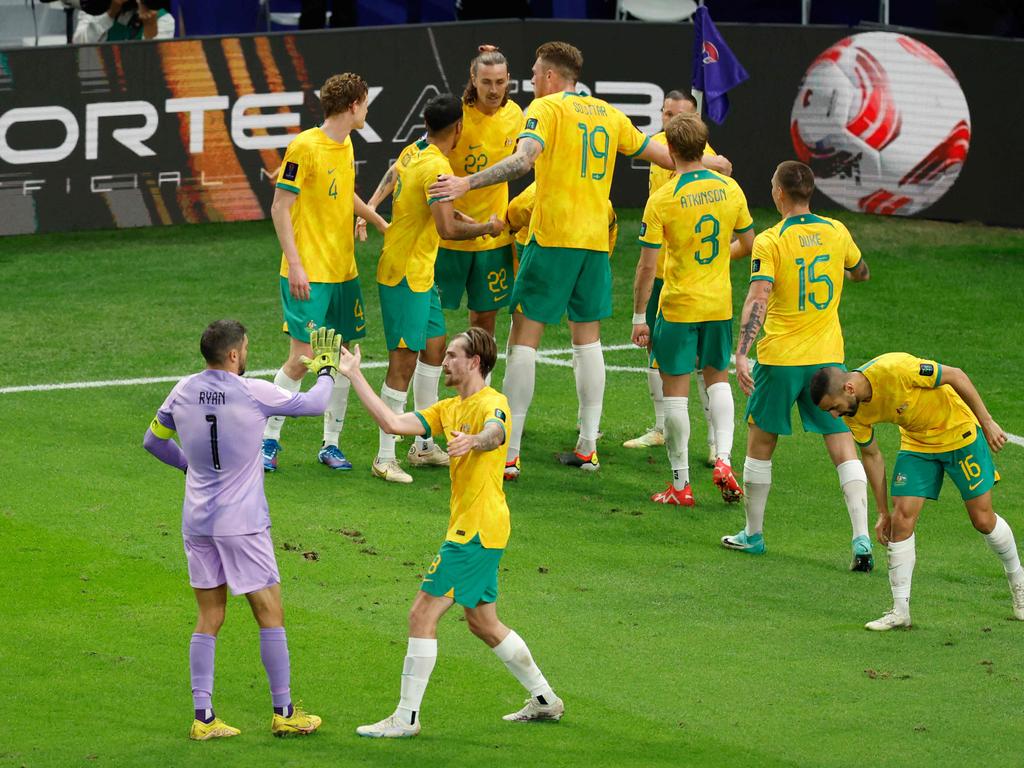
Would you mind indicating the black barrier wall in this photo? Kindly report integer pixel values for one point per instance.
(138, 134)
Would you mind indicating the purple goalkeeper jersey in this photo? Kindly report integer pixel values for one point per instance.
(220, 418)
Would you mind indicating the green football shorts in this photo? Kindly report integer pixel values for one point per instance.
(410, 317)
(467, 573)
(484, 276)
(920, 474)
(552, 282)
(776, 388)
(677, 345)
(330, 305)
(652, 304)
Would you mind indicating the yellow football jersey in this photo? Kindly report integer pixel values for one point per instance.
(410, 243)
(581, 136)
(322, 173)
(520, 209)
(804, 257)
(694, 219)
(908, 391)
(478, 495)
(655, 181)
(485, 140)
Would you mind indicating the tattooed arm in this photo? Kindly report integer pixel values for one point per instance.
(489, 438)
(512, 167)
(754, 310)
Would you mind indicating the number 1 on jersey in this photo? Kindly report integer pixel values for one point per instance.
(213, 441)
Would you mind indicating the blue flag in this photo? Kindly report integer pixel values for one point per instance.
(715, 68)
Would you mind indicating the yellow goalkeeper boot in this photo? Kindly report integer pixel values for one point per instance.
(299, 723)
(215, 729)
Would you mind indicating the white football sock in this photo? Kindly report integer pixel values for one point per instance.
(705, 402)
(419, 663)
(677, 439)
(757, 481)
(424, 394)
(520, 377)
(854, 482)
(334, 416)
(394, 400)
(516, 656)
(722, 422)
(274, 423)
(657, 391)
(589, 364)
(902, 556)
(1001, 541)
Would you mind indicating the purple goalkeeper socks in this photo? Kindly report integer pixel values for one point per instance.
(274, 653)
(200, 661)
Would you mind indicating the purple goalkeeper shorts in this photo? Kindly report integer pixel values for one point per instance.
(246, 563)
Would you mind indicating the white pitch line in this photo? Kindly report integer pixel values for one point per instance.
(544, 357)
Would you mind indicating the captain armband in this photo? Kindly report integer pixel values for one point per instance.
(162, 432)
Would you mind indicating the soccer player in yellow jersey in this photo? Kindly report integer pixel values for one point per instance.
(938, 411)
(573, 141)
(312, 212)
(411, 308)
(520, 209)
(796, 281)
(675, 103)
(465, 571)
(481, 268)
(694, 219)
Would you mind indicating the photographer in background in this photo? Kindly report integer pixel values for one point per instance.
(125, 20)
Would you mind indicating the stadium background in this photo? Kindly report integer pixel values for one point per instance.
(630, 65)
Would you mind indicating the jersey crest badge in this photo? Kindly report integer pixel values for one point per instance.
(291, 170)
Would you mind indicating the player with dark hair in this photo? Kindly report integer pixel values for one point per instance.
(573, 140)
(939, 413)
(313, 210)
(695, 218)
(675, 103)
(465, 571)
(411, 307)
(219, 416)
(796, 283)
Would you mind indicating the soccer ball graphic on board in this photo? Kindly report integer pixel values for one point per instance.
(883, 122)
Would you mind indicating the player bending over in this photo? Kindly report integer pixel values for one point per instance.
(219, 417)
(938, 411)
(465, 571)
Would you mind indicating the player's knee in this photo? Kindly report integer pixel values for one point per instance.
(210, 621)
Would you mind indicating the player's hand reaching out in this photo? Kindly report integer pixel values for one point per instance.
(743, 374)
(461, 444)
(326, 346)
(448, 187)
(994, 434)
(348, 362)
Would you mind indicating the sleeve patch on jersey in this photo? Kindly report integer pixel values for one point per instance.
(291, 170)
(755, 266)
(927, 369)
(500, 414)
(643, 228)
(531, 123)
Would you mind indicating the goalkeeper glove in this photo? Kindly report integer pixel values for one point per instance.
(326, 346)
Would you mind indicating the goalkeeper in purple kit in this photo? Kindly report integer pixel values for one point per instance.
(219, 419)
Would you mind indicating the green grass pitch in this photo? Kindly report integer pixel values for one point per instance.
(667, 649)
